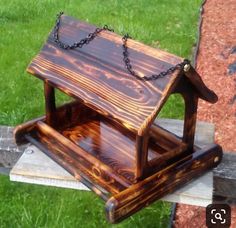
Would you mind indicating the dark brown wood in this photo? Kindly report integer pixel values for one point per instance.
(203, 92)
(96, 74)
(60, 159)
(59, 145)
(190, 118)
(50, 105)
(66, 115)
(139, 195)
(166, 139)
(96, 135)
(190, 96)
(88, 134)
(23, 129)
(164, 158)
(107, 137)
(100, 93)
(141, 148)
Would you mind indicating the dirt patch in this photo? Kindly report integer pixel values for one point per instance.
(216, 63)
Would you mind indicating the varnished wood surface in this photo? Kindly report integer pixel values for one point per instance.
(106, 138)
(112, 147)
(190, 118)
(99, 173)
(50, 104)
(65, 116)
(203, 92)
(139, 195)
(76, 160)
(96, 74)
(100, 155)
(37, 168)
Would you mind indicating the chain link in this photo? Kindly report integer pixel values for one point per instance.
(82, 42)
(126, 59)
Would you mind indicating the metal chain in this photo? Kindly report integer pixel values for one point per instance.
(82, 42)
(185, 65)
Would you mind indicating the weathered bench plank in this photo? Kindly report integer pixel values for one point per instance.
(225, 180)
(9, 151)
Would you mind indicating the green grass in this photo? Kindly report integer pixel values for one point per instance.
(30, 206)
(24, 26)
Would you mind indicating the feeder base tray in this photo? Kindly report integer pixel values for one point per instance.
(102, 157)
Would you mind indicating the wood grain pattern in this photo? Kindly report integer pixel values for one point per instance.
(131, 200)
(106, 138)
(97, 75)
(87, 150)
(80, 160)
(203, 92)
(62, 158)
(50, 105)
(37, 168)
(190, 118)
(96, 135)
(65, 116)
(141, 157)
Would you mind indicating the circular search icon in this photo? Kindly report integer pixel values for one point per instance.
(218, 216)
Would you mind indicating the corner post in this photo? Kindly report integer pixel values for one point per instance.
(50, 106)
(141, 155)
(190, 118)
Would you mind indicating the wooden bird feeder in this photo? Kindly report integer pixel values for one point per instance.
(106, 137)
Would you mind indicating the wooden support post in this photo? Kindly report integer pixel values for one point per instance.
(190, 118)
(141, 155)
(50, 106)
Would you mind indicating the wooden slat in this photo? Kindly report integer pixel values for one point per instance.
(224, 180)
(131, 200)
(97, 75)
(21, 130)
(125, 157)
(203, 91)
(168, 155)
(74, 157)
(97, 138)
(166, 139)
(69, 33)
(65, 160)
(94, 134)
(37, 168)
(66, 115)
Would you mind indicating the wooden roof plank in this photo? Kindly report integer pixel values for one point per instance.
(203, 91)
(96, 74)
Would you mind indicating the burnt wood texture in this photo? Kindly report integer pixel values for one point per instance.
(107, 137)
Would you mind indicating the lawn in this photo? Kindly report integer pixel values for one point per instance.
(24, 25)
